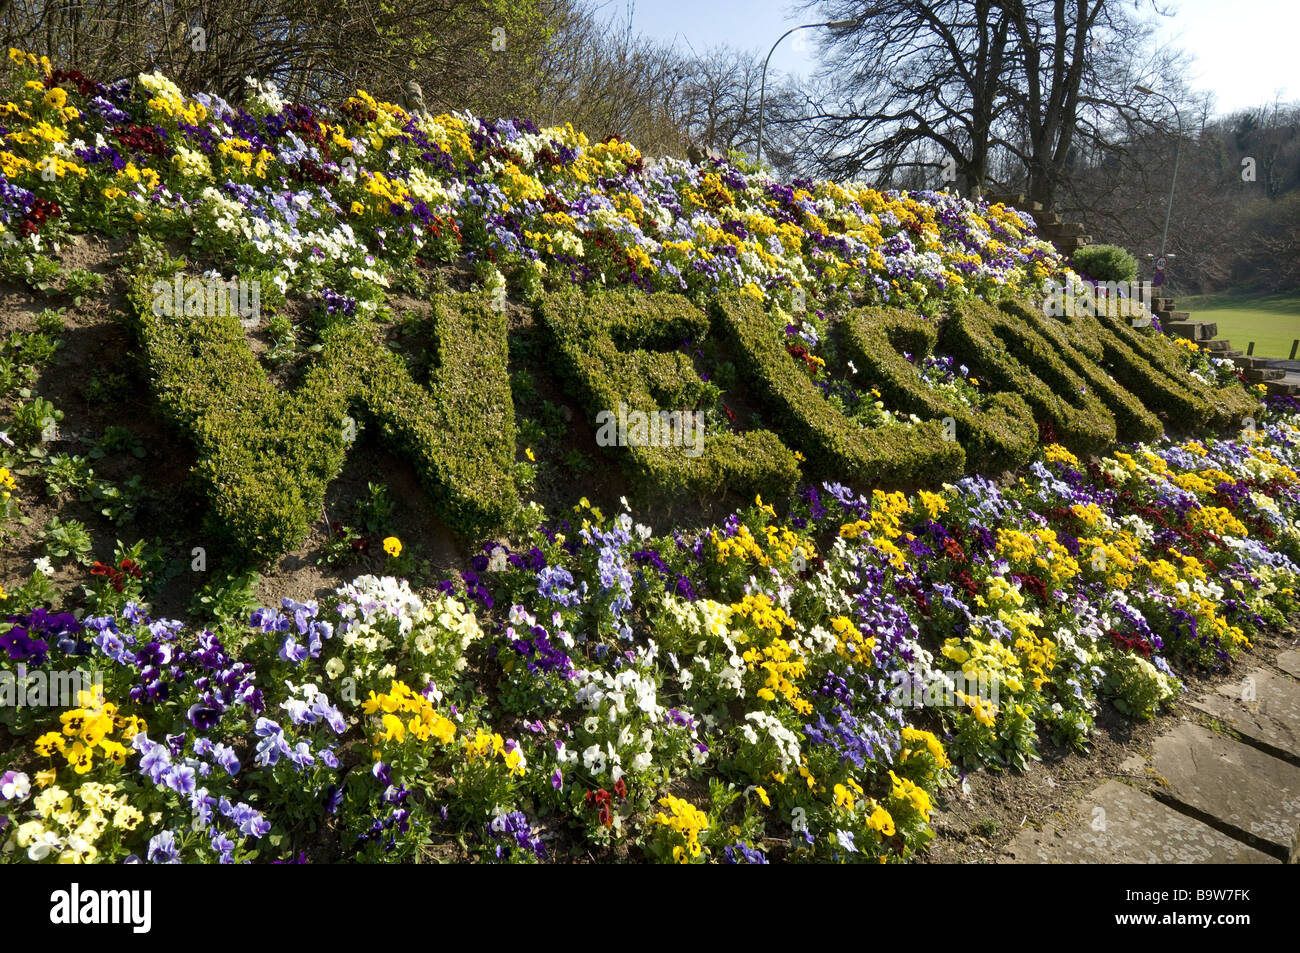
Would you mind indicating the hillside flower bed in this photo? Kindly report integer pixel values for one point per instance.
(798, 682)
(332, 214)
(338, 204)
(727, 696)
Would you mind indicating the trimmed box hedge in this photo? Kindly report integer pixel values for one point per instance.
(895, 455)
(1015, 357)
(459, 428)
(1151, 367)
(606, 347)
(266, 458)
(1133, 421)
(998, 436)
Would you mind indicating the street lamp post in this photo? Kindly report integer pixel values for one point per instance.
(762, 87)
(1178, 145)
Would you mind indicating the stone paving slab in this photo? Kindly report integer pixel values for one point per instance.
(1289, 662)
(1119, 825)
(1262, 707)
(1233, 783)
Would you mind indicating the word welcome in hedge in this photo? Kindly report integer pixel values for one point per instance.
(266, 456)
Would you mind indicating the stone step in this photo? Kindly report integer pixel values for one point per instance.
(1163, 304)
(1218, 344)
(1261, 706)
(1065, 230)
(1289, 662)
(1257, 375)
(1011, 199)
(1118, 825)
(1232, 354)
(1191, 330)
(1241, 790)
(1282, 389)
(1247, 362)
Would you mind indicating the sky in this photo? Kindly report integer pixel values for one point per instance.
(1244, 49)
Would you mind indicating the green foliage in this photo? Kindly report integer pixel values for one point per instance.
(614, 349)
(266, 457)
(14, 374)
(35, 347)
(79, 283)
(1151, 367)
(230, 598)
(998, 436)
(1137, 687)
(107, 385)
(39, 272)
(116, 502)
(523, 389)
(67, 539)
(375, 508)
(460, 431)
(34, 420)
(1105, 263)
(1082, 353)
(50, 321)
(132, 569)
(64, 472)
(531, 432)
(577, 463)
(1013, 356)
(39, 589)
(115, 439)
(896, 454)
(283, 340)
(342, 547)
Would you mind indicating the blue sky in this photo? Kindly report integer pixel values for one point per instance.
(1243, 48)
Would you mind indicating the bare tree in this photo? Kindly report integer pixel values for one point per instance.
(913, 84)
(1236, 210)
(606, 79)
(720, 99)
(978, 93)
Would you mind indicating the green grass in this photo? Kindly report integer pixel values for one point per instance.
(1272, 321)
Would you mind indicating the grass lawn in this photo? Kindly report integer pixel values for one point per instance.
(1272, 321)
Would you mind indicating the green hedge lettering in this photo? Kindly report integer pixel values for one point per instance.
(266, 457)
(999, 436)
(605, 345)
(897, 455)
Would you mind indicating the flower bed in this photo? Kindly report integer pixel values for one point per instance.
(731, 695)
(788, 687)
(334, 212)
(345, 200)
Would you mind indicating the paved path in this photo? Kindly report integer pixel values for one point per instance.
(1228, 795)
